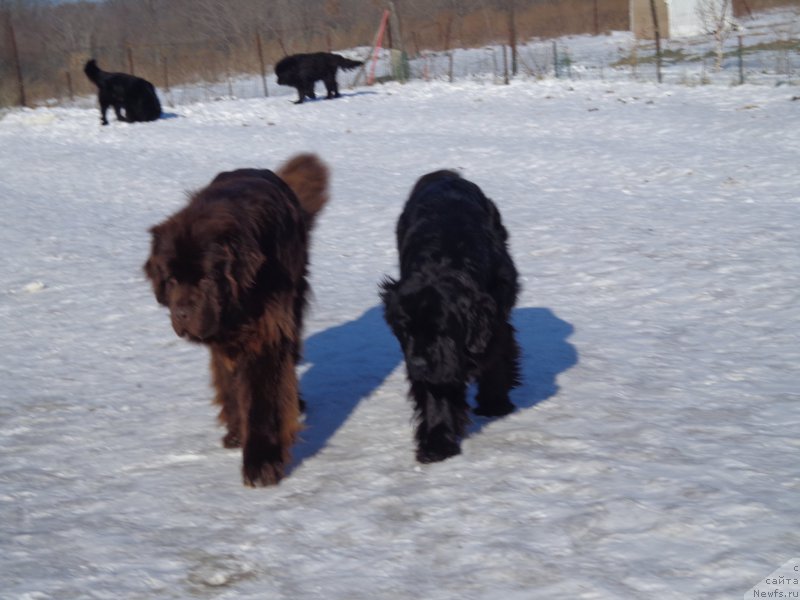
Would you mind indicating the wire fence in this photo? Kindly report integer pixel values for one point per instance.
(200, 71)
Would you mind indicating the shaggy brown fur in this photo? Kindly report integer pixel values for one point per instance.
(231, 267)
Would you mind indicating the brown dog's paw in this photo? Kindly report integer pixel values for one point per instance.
(262, 463)
(262, 475)
(231, 440)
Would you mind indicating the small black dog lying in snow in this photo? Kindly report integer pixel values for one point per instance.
(134, 96)
(450, 309)
(301, 71)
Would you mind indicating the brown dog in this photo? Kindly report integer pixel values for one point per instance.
(231, 267)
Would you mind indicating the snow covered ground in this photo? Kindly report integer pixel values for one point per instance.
(655, 453)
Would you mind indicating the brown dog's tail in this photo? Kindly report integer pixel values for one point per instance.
(307, 176)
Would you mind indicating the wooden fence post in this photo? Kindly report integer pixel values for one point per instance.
(596, 17)
(447, 30)
(512, 35)
(69, 86)
(15, 58)
(397, 52)
(505, 65)
(657, 32)
(261, 64)
(166, 72)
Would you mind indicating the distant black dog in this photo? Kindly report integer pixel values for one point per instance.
(301, 71)
(450, 309)
(133, 95)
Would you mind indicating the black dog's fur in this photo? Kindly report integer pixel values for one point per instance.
(135, 96)
(450, 309)
(301, 71)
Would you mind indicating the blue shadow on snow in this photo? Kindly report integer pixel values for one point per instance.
(321, 97)
(352, 360)
(348, 363)
(546, 353)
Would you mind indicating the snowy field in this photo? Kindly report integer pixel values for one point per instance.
(655, 453)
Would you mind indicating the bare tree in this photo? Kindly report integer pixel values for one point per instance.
(716, 17)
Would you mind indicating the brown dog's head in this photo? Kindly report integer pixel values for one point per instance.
(199, 266)
(239, 241)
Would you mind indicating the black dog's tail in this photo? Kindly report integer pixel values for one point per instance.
(92, 71)
(347, 64)
(308, 177)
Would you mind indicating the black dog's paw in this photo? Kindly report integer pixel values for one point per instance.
(437, 450)
(494, 409)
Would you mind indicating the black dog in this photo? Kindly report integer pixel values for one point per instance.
(133, 95)
(450, 309)
(301, 71)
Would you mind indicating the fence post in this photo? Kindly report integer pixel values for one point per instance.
(166, 72)
(228, 70)
(69, 86)
(740, 53)
(657, 31)
(555, 60)
(397, 51)
(261, 64)
(444, 34)
(596, 17)
(512, 36)
(505, 65)
(17, 65)
(450, 67)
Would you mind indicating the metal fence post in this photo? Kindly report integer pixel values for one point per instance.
(555, 60)
(740, 54)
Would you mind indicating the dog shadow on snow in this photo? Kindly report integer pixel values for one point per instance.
(346, 363)
(546, 353)
(322, 98)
